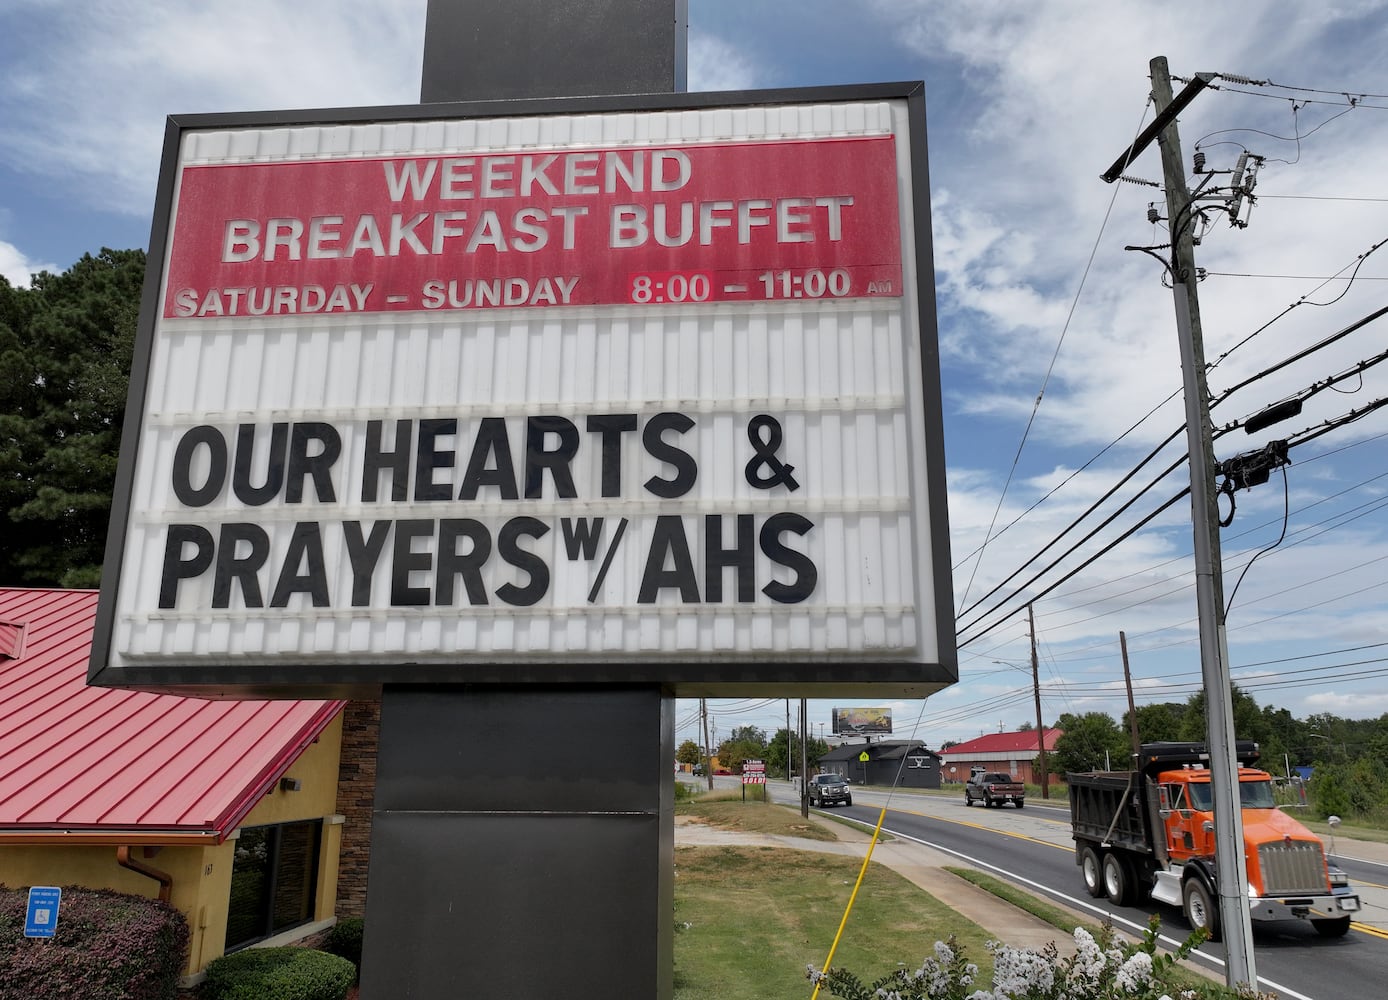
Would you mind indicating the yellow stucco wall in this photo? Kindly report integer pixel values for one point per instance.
(201, 877)
(201, 874)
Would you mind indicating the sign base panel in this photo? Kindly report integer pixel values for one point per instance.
(494, 839)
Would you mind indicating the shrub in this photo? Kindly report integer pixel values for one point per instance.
(1100, 969)
(344, 940)
(283, 973)
(1329, 796)
(106, 944)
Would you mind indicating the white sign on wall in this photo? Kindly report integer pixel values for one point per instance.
(609, 395)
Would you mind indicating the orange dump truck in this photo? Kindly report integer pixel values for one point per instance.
(1150, 833)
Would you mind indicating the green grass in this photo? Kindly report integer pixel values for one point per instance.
(757, 916)
(1322, 829)
(1063, 920)
(727, 811)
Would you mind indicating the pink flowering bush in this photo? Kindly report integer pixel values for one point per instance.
(1101, 968)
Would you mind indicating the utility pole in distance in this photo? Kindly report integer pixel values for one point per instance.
(1209, 591)
(1040, 726)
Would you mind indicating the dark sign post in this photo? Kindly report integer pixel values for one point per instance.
(531, 415)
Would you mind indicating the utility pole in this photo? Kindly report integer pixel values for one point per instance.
(1040, 726)
(804, 761)
(708, 750)
(1228, 817)
(789, 748)
(1132, 708)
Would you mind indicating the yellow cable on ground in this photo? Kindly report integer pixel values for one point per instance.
(881, 817)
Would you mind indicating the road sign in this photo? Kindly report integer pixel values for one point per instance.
(42, 918)
(864, 757)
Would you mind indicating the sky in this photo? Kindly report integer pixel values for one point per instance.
(1060, 368)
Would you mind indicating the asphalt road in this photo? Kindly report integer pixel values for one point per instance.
(1032, 848)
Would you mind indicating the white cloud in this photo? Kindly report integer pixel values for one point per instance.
(19, 269)
(101, 129)
(717, 65)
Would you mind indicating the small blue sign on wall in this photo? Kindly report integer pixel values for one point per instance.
(42, 920)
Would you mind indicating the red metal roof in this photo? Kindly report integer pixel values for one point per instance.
(1002, 744)
(93, 760)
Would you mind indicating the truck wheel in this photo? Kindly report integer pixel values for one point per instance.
(1199, 907)
(1118, 880)
(1019, 803)
(848, 801)
(968, 801)
(1338, 927)
(1092, 872)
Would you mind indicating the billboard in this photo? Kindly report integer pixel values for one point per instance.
(859, 721)
(554, 392)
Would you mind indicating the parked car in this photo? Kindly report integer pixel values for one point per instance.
(993, 788)
(829, 790)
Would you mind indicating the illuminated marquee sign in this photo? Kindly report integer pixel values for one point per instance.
(576, 394)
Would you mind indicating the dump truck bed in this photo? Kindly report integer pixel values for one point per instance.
(1106, 808)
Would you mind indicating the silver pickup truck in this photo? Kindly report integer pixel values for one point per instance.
(829, 790)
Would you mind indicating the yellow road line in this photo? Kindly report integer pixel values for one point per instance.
(990, 829)
(1369, 929)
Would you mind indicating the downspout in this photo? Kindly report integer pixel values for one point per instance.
(164, 879)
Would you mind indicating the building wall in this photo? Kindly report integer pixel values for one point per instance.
(356, 793)
(1023, 769)
(201, 882)
(201, 873)
(887, 772)
(316, 769)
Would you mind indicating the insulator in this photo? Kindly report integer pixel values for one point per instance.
(1199, 161)
(1234, 78)
(1153, 216)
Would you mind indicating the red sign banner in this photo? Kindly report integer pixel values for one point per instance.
(754, 772)
(759, 221)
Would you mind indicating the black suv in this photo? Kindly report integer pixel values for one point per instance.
(829, 790)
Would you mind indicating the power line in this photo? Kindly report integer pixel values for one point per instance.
(1026, 432)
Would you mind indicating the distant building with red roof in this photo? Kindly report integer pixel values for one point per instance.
(1016, 753)
(227, 809)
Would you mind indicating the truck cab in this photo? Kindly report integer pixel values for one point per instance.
(1289, 875)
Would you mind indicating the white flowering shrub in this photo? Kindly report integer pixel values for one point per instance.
(1101, 968)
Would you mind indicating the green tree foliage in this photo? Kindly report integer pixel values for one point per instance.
(776, 752)
(745, 743)
(1085, 742)
(1329, 796)
(1249, 723)
(1349, 756)
(65, 350)
(688, 753)
(1159, 723)
(1376, 748)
